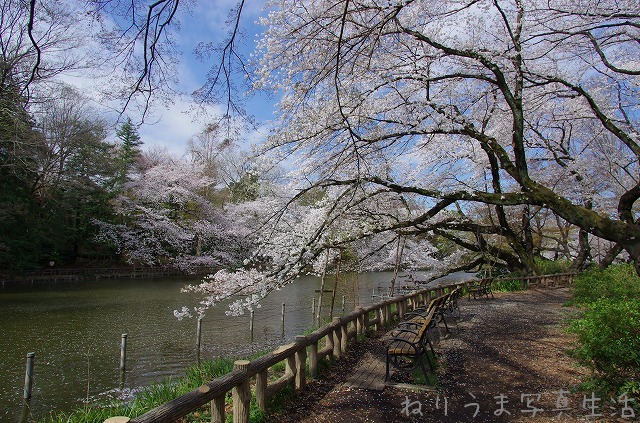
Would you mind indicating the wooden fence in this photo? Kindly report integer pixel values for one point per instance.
(115, 272)
(543, 281)
(330, 341)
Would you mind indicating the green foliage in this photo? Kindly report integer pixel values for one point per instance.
(247, 188)
(552, 267)
(209, 369)
(128, 152)
(55, 176)
(445, 246)
(608, 329)
(431, 379)
(151, 396)
(609, 343)
(507, 285)
(615, 282)
(20, 239)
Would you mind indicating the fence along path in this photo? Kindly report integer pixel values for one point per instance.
(330, 341)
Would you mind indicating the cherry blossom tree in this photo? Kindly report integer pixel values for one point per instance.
(479, 114)
(301, 235)
(165, 217)
(505, 103)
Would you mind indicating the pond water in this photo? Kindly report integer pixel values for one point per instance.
(75, 331)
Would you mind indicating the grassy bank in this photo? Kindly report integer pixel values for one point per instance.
(162, 392)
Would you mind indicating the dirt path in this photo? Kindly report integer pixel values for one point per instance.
(505, 361)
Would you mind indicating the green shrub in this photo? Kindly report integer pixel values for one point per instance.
(552, 267)
(616, 282)
(507, 285)
(609, 343)
(150, 396)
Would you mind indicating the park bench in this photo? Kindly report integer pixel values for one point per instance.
(406, 346)
(444, 305)
(481, 288)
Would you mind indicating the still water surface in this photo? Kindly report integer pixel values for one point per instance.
(75, 331)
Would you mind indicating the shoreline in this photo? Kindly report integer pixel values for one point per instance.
(71, 275)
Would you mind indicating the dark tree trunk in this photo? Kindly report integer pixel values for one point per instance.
(610, 256)
(584, 252)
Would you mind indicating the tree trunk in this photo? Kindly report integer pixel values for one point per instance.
(584, 252)
(610, 256)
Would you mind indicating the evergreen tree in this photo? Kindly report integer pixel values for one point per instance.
(129, 150)
(19, 237)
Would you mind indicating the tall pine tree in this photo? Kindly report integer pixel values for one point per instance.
(129, 150)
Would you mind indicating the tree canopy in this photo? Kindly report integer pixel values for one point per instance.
(492, 125)
(458, 103)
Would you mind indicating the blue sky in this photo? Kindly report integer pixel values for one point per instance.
(205, 22)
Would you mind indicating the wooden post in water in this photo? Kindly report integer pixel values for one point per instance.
(335, 284)
(251, 319)
(324, 274)
(396, 268)
(28, 387)
(313, 307)
(28, 376)
(198, 339)
(283, 306)
(343, 302)
(123, 353)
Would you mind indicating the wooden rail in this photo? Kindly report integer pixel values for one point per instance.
(328, 342)
(115, 272)
(543, 281)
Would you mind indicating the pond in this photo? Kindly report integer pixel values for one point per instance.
(75, 331)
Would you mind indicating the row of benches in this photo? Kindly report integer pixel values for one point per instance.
(407, 346)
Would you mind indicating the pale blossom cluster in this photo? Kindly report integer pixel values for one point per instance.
(490, 127)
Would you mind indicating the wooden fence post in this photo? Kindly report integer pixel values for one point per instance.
(359, 322)
(261, 389)
(290, 366)
(218, 413)
(313, 360)
(336, 339)
(301, 365)
(379, 318)
(344, 336)
(241, 395)
(365, 323)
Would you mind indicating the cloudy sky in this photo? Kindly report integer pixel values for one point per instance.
(204, 23)
(171, 125)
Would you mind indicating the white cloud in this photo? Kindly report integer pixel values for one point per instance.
(173, 125)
